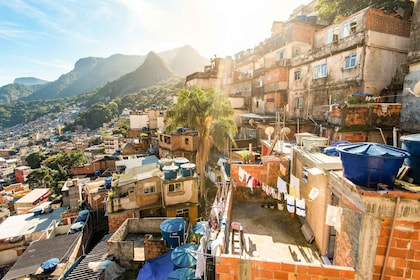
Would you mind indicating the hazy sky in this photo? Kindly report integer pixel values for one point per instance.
(45, 38)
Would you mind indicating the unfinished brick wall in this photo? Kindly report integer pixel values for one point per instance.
(404, 255)
(385, 23)
(117, 219)
(266, 173)
(231, 267)
(154, 247)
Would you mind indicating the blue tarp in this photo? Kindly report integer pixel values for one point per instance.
(157, 268)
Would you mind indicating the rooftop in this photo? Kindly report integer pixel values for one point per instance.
(28, 223)
(272, 234)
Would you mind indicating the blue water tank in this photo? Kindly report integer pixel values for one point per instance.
(165, 162)
(170, 172)
(371, 164)
(187, 169)
(302, 18)
(108, 182)
(411, 144)
(312, 19)
(180, 161)
(173, 231)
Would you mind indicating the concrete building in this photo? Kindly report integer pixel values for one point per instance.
(111, 144)
(373, 231)
(31, 200)
(178, 144)
(346, 58)
(410, 117)
(137, 193)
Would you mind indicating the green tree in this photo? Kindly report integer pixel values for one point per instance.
(34, 160)
(40, 177)
(207, 113)
(66, 160)
(330, 10)
(95, 116)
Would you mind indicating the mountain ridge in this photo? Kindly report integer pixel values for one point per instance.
(92, 73)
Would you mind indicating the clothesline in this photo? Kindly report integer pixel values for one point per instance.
(277, 193)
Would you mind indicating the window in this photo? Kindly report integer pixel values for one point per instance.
(184, 213)
(269, 77)
(269, 100)
(149, 188)
(350, 61)
(349, 27)
(296, 51)
(332, 35)
(298, 75)
(280, 54)
(187, 140)
(305, 173)
(175, 187)
(251, 133)
(260, 82)
(299, 104)
(320, 71)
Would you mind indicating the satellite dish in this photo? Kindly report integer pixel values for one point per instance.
(268, 131)
(285, 130)
(416, 89)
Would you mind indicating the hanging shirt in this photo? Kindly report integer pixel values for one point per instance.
(290, 203)
(201, 258)
(333, 217)
(300, 207)
(241, 174)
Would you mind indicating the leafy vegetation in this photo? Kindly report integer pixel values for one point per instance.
(13, 113)
(207, 113)
(56, 170)
(14, 92)
(34, 160)
(329, 10)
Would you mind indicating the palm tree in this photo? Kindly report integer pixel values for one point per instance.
(208, 114)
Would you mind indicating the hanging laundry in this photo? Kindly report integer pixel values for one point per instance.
(294, 186)
(282, 186)
(333, 217)
(337, 225)
(201, 258)
(250, 182)
(241, 174)
(300, 207)
(290, 203)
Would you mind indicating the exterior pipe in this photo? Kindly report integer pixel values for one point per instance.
(395, 136)
(388, 247)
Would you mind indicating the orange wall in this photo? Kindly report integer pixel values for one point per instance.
(228, 268)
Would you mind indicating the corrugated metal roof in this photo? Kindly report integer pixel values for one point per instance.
(98, 253)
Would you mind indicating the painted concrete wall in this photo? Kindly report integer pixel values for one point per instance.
(410, 115)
